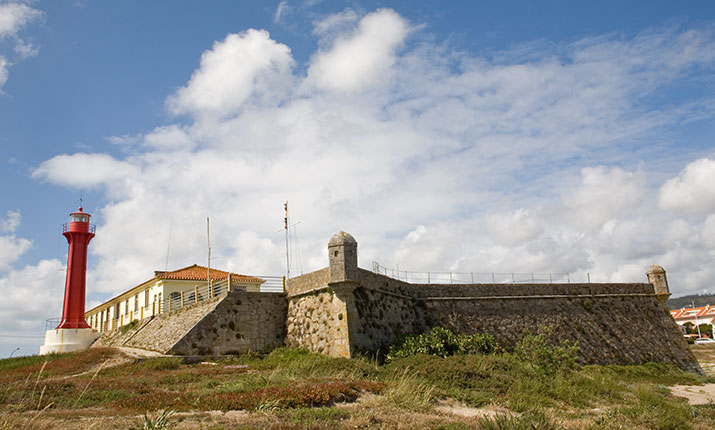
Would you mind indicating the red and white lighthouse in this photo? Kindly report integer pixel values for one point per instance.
(73, 333)
(78, 234)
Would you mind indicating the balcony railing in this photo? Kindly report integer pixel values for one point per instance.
(66, 228)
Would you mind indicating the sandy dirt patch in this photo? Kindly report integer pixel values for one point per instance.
(696, 394)
(453, 407)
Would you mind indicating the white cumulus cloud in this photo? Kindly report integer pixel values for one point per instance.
(89, 171)
(31, 295)
(693, 190)
(604, 194)
(362, 58)
(242, 65)
(11, 247)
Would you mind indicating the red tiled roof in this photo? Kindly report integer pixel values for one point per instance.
(198, 273)
(692, 312)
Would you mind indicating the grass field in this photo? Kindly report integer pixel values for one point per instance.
(294, 389)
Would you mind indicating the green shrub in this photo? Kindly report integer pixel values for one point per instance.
(549, 359)
(442, 343)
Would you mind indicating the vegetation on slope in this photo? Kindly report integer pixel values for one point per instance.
(536, 387)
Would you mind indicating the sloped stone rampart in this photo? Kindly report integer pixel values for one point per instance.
(610, 328)
(382, 318)
(242, 322)
(162, 332)
(613, 323)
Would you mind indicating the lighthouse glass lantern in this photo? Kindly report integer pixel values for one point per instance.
(78, 234)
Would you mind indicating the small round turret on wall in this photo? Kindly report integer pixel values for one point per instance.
(342, 255)
(656, 277)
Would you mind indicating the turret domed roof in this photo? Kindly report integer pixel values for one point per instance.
(655, 269)
(342, 238)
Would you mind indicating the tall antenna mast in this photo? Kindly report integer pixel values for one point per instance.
(208, 243)
(285, 220)
(168, 246)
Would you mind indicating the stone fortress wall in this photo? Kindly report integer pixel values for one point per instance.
(241, 322)
(613, 323)
(343, 310)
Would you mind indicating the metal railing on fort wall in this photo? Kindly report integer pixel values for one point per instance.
(194, 295)
(273, 284)
(202, 292)
(474, 277)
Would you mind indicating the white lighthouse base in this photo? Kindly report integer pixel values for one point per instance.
(68, 340)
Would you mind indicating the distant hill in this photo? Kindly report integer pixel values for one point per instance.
(687, 301)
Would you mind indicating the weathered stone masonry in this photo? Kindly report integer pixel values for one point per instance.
(613, 323)
(241, 322)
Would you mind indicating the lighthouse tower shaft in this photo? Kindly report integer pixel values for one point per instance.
(78, 234)
(73, 333)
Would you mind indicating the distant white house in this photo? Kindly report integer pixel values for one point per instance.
(695, 316)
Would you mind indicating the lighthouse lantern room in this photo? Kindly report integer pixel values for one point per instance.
(73, 333)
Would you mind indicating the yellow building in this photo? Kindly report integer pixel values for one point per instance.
(165, 292)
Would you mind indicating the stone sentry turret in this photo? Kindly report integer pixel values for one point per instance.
(656, 277)
(342, 254)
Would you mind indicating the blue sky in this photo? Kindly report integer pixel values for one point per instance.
(467, 136)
